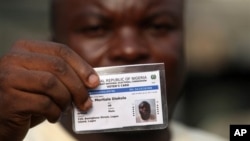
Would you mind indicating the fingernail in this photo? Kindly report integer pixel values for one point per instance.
(93, 80)
(87, 105)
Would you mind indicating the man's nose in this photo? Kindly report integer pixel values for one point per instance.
(128, 46)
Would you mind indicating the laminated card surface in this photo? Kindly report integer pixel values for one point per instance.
(128, 98)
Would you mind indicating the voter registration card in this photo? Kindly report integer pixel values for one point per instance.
(129, 98)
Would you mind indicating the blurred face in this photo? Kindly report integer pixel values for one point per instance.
(145, 111)
(120, 32)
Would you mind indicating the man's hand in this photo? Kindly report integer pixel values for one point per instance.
(38, 81)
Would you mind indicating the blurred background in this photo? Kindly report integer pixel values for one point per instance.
(217, 90)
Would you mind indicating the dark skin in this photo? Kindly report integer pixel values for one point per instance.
(145, 111)
(91, 33)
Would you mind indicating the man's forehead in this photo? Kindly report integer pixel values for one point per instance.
(122, 4)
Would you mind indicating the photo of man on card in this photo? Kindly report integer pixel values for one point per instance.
(145, 112)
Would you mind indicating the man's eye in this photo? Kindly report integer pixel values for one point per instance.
(94, 30)
(160, 29)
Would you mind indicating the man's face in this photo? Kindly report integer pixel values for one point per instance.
(145, 110)
(120, 32)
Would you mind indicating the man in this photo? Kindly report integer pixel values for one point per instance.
(39, 80)
(145, 113)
